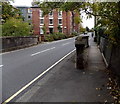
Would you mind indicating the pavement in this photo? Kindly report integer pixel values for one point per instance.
(65, 83)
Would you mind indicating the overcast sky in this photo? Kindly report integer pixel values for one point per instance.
(22, 2)
(86, 22)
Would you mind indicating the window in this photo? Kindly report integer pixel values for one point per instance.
(41, 21)
(59, 21)
(29, 16)
(60, 13)
(41, 31)
(51, 13)
(41, 13)
(29, 10)
(51, 30)
(50, 21)
(60, 30)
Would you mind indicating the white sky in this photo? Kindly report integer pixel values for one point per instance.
(22, 2)
(86, 22)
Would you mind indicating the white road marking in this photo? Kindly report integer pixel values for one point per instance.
(39, 76)
(62, 40)
(35, 46)
(65, 44)
(1, 66)
(17, 50)
(42, 51)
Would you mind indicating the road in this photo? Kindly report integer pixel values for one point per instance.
(21, 67)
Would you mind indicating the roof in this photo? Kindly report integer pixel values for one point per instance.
(23, 6)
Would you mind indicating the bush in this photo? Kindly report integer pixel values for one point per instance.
(15, 27)
(61, 36)
(48, 38)
(58, 36)
(54, 36)
(74, 34)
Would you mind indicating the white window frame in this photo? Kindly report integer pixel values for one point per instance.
(59, 22)
(41, 12)
(52, 22)
(41, 30)
(29, 10)
(43, 21)
(59, 13)
(51, 14)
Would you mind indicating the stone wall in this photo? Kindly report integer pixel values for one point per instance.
(12, 43)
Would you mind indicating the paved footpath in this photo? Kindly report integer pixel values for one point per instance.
(64, 83)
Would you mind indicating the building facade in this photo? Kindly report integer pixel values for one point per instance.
(55, 21)
(26, 13)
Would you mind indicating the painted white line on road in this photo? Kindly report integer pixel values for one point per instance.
(39, 76)
(35, 46)
(1, 66)
(62, 40)
(17, 50)
(66, 43)
(42, 51)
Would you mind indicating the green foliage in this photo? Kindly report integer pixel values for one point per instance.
(44, 29)
(82, 30)
(9, 11)
(109, 20)
(55, 36)
(58, 36)
(77, 20)
(0, 29)
(74, 34)
(71, 6)
(15, 27)
(48, 38)
(49, 6)
(107, 14)
(59, 28)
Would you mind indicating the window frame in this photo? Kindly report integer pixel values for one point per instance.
(51, 14)
(41, 30)
(42, 21)
(59, 22)
(50, 22)
(41, 13)
(59, 13)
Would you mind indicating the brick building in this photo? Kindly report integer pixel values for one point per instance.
(55, 21)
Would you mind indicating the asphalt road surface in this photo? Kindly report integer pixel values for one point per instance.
(20, 67)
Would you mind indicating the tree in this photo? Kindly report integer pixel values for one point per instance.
(107, 14)
(77, 20)
(9, 11)
(59, 28)
(109, 20)
(15, 27)
(82, 30)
